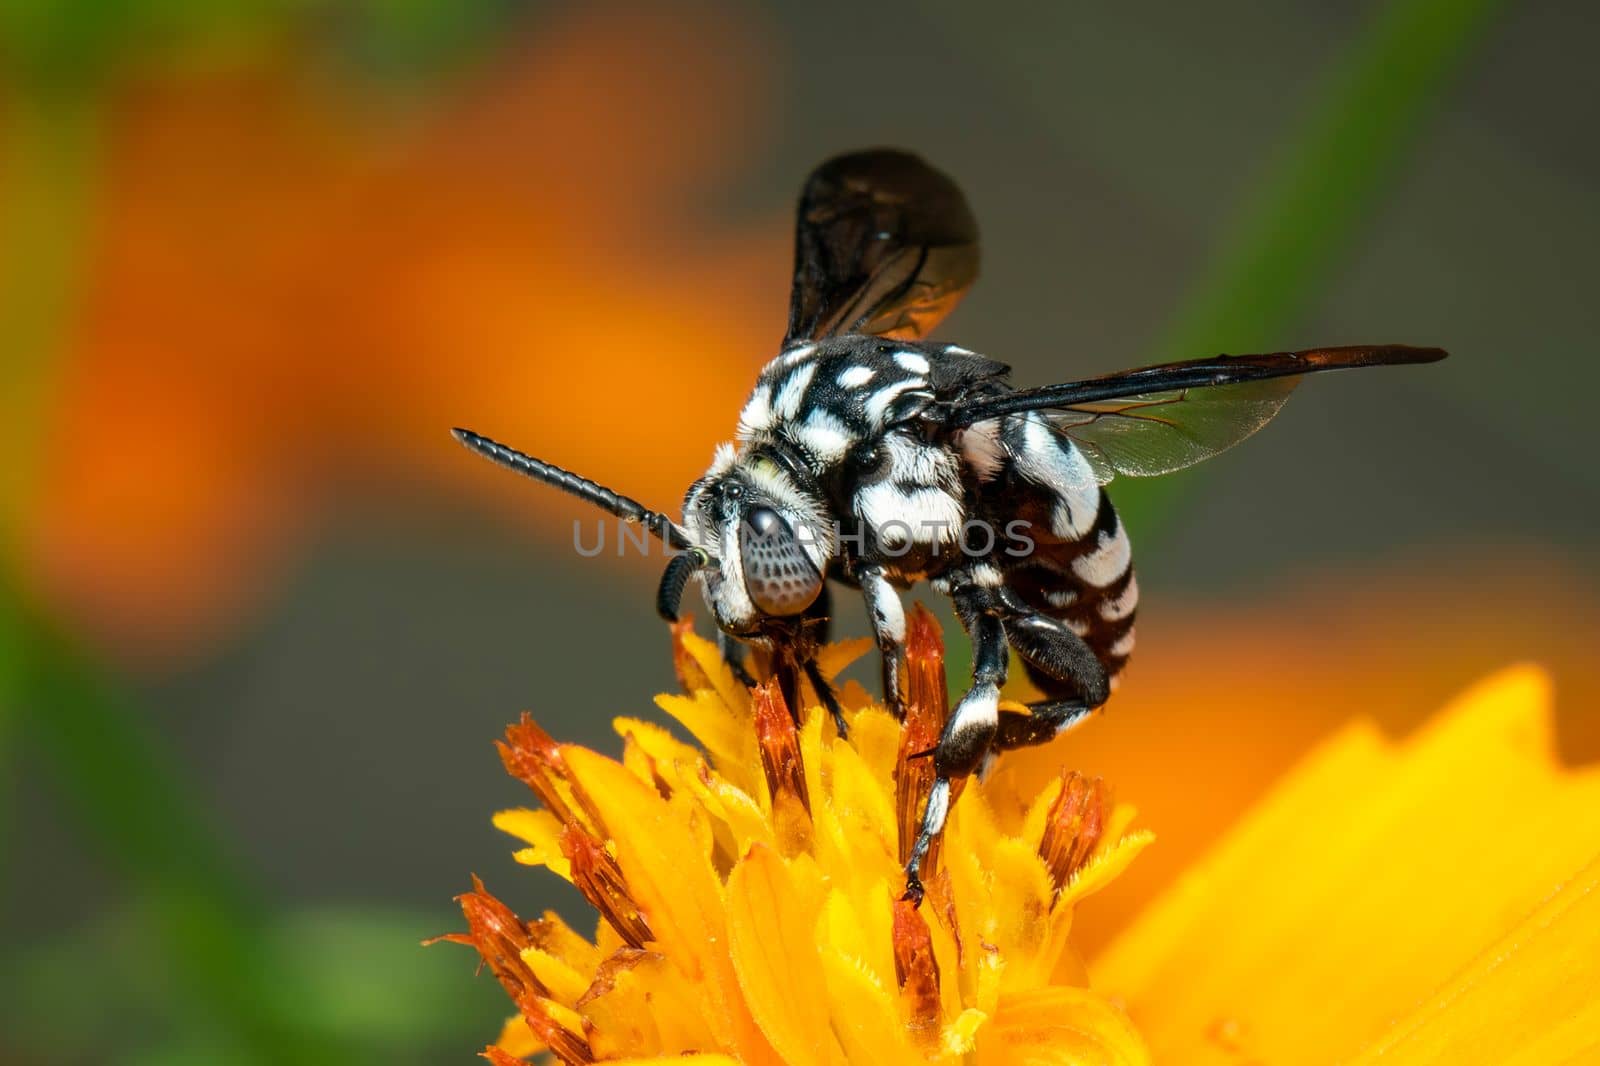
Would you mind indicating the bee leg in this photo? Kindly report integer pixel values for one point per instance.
(970, 729)
(888, 618)
(732, 651)
(825, 694)
(1050, 718)
(787, 671)
(1064, 667)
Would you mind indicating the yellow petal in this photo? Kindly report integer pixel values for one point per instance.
(875, 735)
(832, 659)
(641, 1005)
(566, 984)
(655, 741)
(860, 928)
(734, 697)
(1105, 866)
(865, 1015)
(673, 883)
(676, 1060)
(1059, 1027)
(772, 909)
(542, 832)
(727, 738)
(1363, 881)
(517, 1039)
(1531, 999)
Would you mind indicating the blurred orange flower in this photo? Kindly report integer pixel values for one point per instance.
(289, 294)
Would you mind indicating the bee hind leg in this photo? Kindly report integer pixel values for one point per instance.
(1064, 667)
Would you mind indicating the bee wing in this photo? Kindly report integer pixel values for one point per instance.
(884, 244)
(1158, 419)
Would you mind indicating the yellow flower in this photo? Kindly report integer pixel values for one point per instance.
(1432, 901)
(749, 892)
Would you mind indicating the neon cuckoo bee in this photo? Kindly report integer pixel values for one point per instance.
(869, 455)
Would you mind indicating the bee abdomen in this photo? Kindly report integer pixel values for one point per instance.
(1079, 567)
(1088, 584)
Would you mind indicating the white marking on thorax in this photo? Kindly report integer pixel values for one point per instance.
(913, 361)
(757, 414)
(922, 516)
(854, 377)
(1122, 647)
(793, 391)
(913, 461)
(824, 436)
(877, 404)
(798, 354)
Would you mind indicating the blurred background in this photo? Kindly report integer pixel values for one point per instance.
(260, 618)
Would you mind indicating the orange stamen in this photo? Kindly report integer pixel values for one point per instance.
(500, 937)
(779, 745)
(1073, 829)
(597, 875)
(916, 970)
(927, 707)
(534, 758)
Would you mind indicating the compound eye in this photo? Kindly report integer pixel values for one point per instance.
(777, 573)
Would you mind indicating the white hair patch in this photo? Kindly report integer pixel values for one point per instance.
(1119, 607)
(854, 377)
(824, 436)
(1107, 562)
(793, 391)
(915, 362)
(877, 404)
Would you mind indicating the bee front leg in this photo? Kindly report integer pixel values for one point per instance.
(970, 731)
(888, 617)
(732, 651)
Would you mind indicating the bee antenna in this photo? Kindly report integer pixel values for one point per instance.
(614, 503)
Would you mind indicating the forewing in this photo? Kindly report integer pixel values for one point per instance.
(884, 244)
(1155, 433)
(1158, 419)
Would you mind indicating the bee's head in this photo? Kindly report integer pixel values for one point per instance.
(769, 535)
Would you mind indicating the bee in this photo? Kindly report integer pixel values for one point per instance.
(875, 458)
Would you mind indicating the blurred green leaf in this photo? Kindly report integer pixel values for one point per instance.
(128, 795)
(359, 975)
(1308, 208)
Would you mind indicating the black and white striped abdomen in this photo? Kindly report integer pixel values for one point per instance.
(1080, 566)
